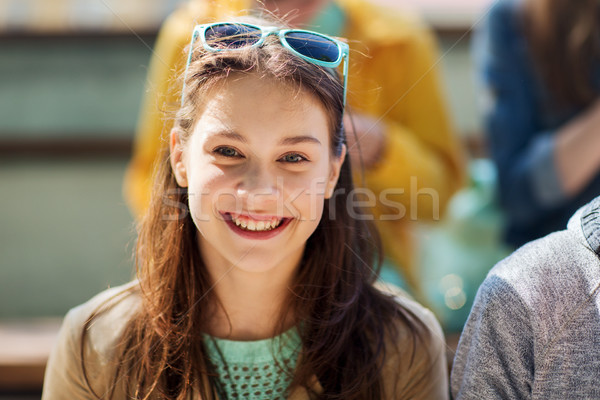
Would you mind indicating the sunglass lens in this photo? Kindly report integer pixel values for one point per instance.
(231, 36)
(313, 46)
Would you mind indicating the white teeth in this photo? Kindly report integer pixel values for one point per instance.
(257, 225)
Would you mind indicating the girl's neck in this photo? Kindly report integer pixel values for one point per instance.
(250, 305)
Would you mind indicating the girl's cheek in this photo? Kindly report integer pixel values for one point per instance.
(310, 183)
(304, 197)
(207, 185)
(206, 177)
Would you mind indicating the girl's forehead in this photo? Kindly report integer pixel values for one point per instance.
(250, 105)
(255, 88)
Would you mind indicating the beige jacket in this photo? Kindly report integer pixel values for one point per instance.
(65, 379)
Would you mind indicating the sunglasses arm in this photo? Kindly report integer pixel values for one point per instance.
(346, 55)
(195, 35)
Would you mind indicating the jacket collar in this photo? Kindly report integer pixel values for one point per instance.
(589, 217)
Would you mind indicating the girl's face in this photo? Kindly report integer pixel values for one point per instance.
(258, 167)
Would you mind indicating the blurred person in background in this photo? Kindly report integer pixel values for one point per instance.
(538, 61)
(410, 154)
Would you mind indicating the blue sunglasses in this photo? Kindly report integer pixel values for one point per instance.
(311, 46)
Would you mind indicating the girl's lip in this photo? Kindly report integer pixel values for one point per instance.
(257, 235)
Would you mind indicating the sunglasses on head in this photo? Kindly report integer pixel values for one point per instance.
(311, 46)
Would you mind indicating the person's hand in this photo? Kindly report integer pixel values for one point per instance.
(576, 151)
(595, 111)
(370, 136)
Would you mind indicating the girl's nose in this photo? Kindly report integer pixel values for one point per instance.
(259, 188)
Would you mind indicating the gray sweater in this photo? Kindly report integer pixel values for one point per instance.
(534, 330)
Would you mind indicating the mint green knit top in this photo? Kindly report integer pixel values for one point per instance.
(253, 369)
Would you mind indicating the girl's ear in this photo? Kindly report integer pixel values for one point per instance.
(336, 166)
(177, 162)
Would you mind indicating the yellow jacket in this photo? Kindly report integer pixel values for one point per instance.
(393, 76)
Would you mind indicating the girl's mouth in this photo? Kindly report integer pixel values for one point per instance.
(255, 227)
(251, 224)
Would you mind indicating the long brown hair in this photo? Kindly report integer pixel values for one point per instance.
(564, 38)
(344, 320)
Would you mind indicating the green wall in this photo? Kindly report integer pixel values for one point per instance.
(65, 232)
(69, 87)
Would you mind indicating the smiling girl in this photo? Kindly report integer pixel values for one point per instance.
(254, 277)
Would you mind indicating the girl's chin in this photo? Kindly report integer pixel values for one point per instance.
(254, 260)
(256, 267)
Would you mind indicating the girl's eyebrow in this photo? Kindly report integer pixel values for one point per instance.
(231, 135)
(291, 140)
(300, 139)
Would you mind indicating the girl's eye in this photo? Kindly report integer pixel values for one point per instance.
(293, 158)
(227, 152)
